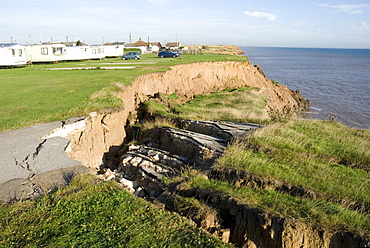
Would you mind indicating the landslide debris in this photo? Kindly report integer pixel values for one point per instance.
(163, 168)
(174, 167)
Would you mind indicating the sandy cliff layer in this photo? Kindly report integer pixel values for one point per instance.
(105, 132)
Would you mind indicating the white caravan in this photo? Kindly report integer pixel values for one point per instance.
(45, 52)
(113, 50)
(74, 52)
(12, 54)
(96, 52)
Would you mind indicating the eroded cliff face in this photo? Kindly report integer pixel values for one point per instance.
(105, 132)
(249, 227)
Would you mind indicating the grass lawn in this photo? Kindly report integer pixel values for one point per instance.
(90, 213)
(33, 95)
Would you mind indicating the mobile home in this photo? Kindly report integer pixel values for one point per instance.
(114, 49)
(96, 52)
(12, 54)
(76, 52)
(47, 52)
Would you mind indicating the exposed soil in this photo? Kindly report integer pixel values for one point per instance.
(144, 169)
(104, 133)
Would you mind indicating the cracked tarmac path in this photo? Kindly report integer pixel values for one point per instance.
(32, 164)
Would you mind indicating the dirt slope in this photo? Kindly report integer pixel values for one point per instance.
(104, 132)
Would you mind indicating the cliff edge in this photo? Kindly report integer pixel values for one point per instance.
(105, 132)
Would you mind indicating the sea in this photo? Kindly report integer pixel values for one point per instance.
(336, 81)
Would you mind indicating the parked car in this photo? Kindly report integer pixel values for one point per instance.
(179, 51)
(131, 55)
(168, 54)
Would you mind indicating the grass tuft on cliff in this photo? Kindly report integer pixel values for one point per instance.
(91, 213)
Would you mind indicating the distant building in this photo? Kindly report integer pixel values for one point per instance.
(12, 54)
(76, 51)
(114, 49)
(147, 47)
(46, 52)
(173, 45)
(139, 43)
(97, 52)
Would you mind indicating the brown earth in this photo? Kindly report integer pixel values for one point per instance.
(105, 132)
(234, 221)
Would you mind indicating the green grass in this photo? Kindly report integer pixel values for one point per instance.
(326, 157)
(239, 105)
(313, 211)
(88, 213)
(33, 95)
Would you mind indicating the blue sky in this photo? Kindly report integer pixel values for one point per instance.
(281, 23)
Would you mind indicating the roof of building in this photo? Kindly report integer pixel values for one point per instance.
(115, 43)
(173, 44)
(9, 44)
(155, 43)
(140, 43)
(73, 43)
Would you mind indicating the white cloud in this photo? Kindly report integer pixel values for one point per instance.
(348, 8)
(264, 15)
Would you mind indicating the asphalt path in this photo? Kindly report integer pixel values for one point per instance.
(32, 164)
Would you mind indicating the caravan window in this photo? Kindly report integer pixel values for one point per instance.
(58, 50)
(44, 51)
(20, 52)
(13, 52)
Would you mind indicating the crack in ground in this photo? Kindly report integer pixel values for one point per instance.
(38, 149)
(25, 163)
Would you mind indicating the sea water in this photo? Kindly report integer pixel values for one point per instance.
(336, 81)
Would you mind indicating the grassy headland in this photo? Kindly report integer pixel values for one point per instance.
(322, 157)
(34, 94)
